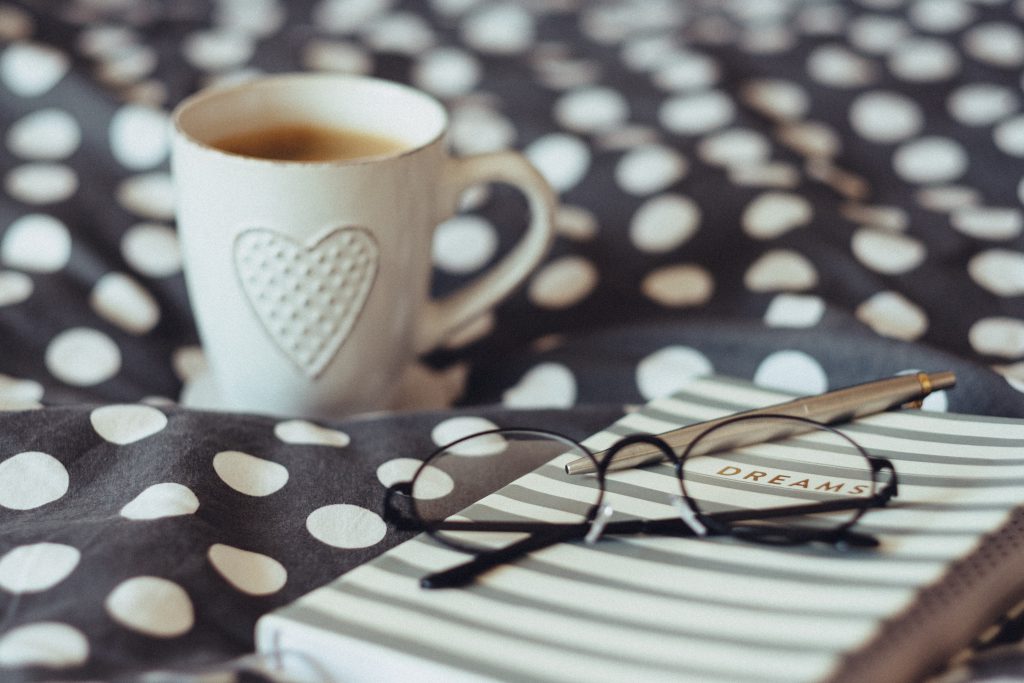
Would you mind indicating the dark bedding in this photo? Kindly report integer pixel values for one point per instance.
(803, 194)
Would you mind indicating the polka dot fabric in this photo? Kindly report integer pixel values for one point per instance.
(804, 195)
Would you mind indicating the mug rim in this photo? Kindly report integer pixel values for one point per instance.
(203, 95)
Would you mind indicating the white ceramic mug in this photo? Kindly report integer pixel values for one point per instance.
(310, 280)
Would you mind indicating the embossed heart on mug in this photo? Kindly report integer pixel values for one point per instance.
(307, 297)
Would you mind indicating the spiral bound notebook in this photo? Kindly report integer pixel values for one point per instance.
(646, 608)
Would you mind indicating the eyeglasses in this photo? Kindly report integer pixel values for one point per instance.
(810, 489)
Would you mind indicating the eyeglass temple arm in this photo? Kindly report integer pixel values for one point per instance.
(465, 573)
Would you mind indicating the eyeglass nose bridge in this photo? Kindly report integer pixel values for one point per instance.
(891, 488)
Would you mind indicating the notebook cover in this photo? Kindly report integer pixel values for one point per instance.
(647, 608)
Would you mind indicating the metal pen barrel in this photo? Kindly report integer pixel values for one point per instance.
(842, 405)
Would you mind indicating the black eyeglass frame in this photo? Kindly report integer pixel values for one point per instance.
(696, 523)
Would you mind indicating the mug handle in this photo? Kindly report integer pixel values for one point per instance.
(443, 316)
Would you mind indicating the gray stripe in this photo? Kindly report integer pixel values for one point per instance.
(536, 602)
(508, 632)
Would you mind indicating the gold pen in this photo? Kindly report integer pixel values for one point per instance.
(841, 405)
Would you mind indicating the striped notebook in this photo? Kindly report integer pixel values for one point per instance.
(652, 609)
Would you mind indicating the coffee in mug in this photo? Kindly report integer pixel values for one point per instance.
(305, 142)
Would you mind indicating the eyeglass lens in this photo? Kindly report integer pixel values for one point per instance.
(452, 479)
(819, 466)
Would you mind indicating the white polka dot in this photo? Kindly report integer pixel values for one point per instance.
(464, 244)
(32, 69)
(780, 270)
(166, 499)
(405, 33)
(649, 168)
(794, 310)
(251, 573)
(890, 314)
(139, 136)
(37, 243)
(503, 28)
(946, 198)
(1000, 271)
(997, 43)
(892, 218)
(696, 113)
(189, 363)
(887, 252)
(669, 370)
(432, 483)
(307, 433)
(679, 285)
(882, 116)
(217, 50)
(335, 55)
(45, 134)
(563, 282)
(1020, 190)
(839, 67)
(455, 428)
(811, 139)
(447, 72)
(548, 385)
(150, 195)
(988, 223)
(37, 567)
(151, 605)
(876, 33)
(260, 18)
(575, 223)
(14, 287)
(591, 109)
(477, 129)
(31, 479)
(982, 104)
(48, 644)
(41, 182)
(686, 71)
(924, 60)
(152, 249)
(125, 424)
(346, 16)
(930, 159)
(562, 159)
(775, 213)
(735, 147)
(248, 474)
(126, 66)
(15, 23)
(23, 390)
(83, 357)
(940, 16)
(125, 303)
(793, 371)
(346, 526)
(777, 99)
(1009, 136)
(998, 336)
(664, 223)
